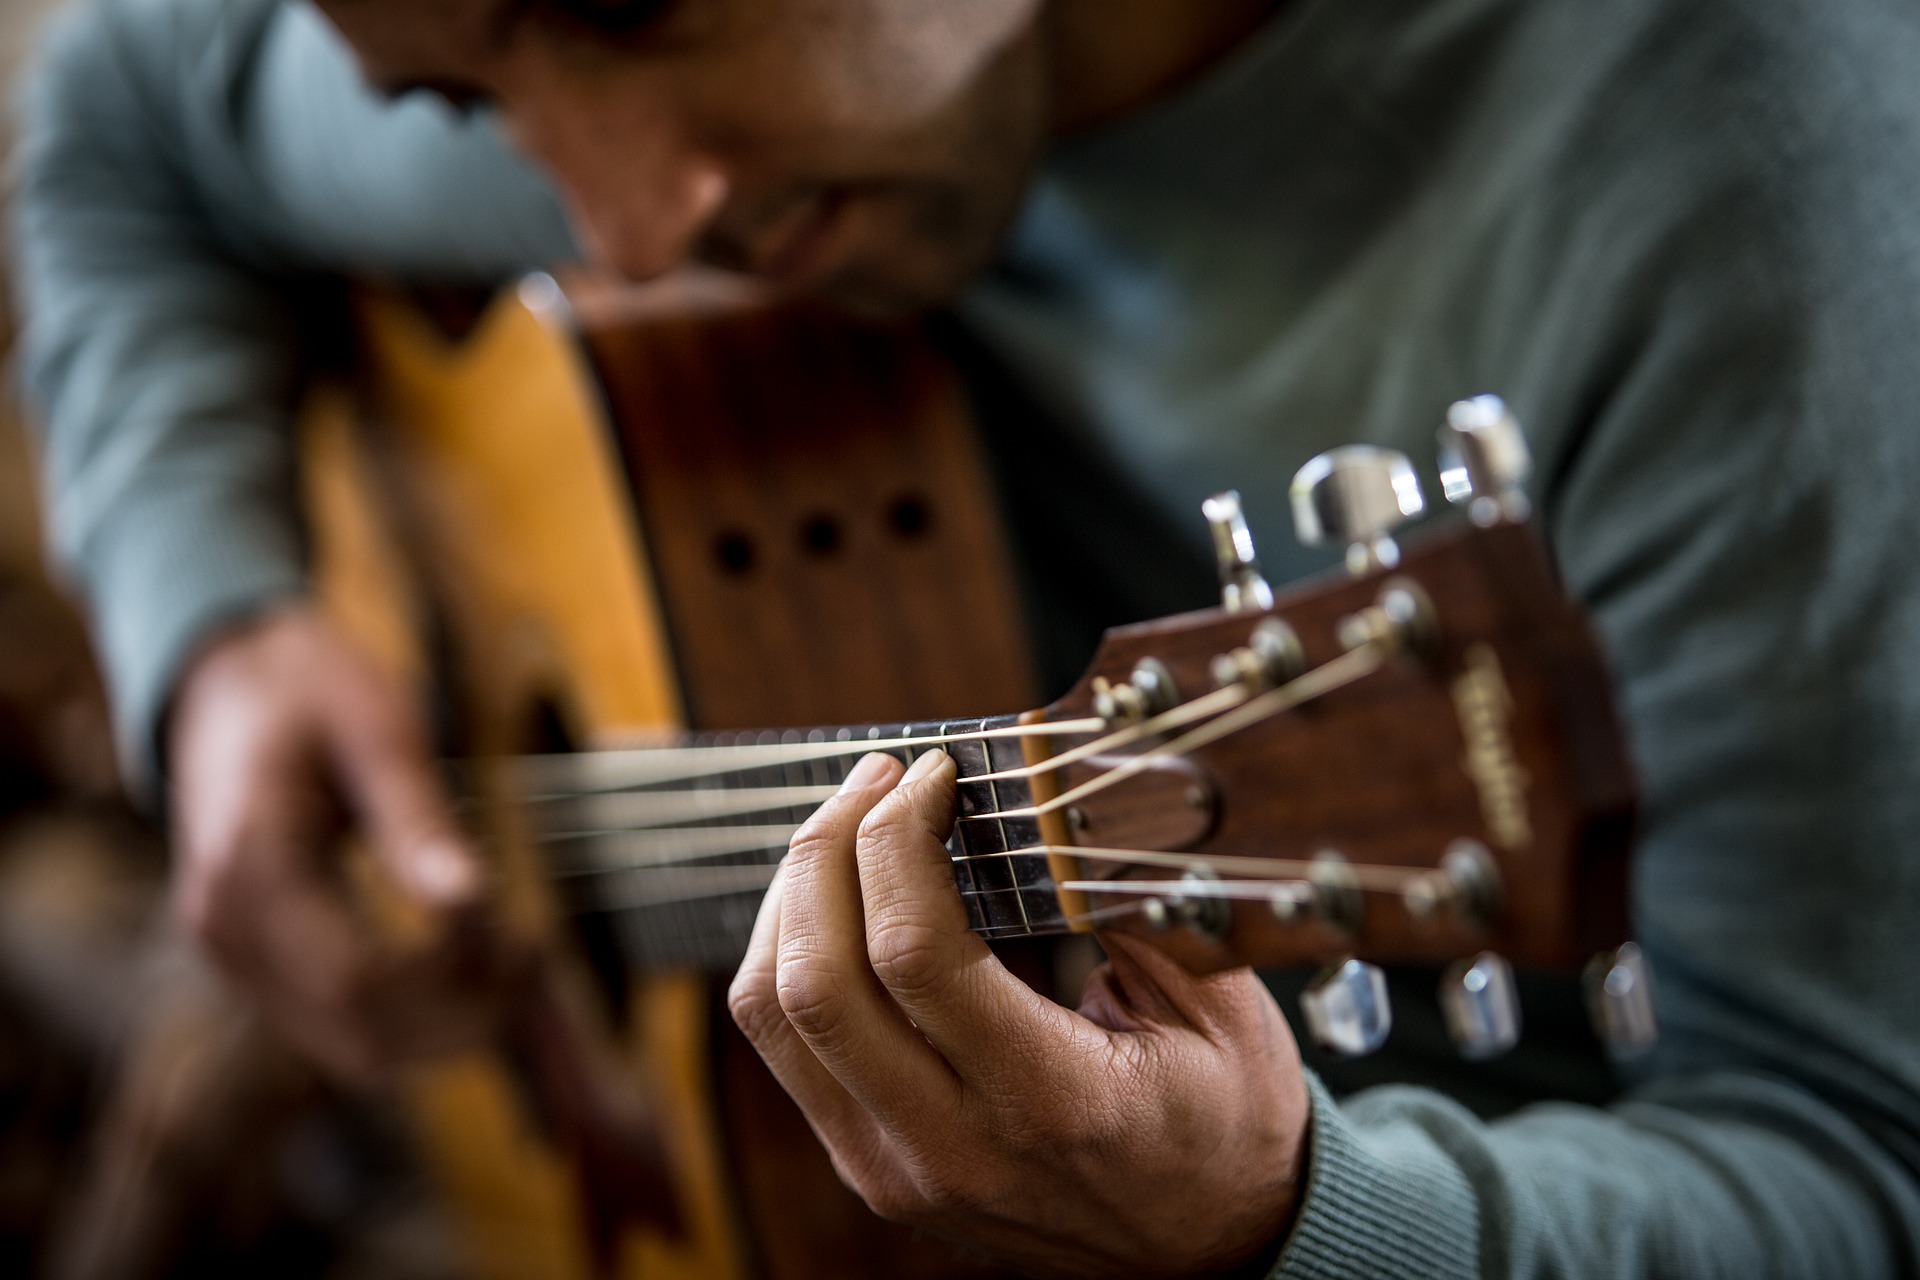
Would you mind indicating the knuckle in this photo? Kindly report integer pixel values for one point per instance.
(890, 824)
(811, 1001)
(896, 1199)
(814, 838)
(754, 1006)
(907, 958)
(948, 1189)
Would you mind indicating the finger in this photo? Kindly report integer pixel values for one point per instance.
(843, 1126)
(918, 941)
(825, 983)
(281, 934)
(379, 748)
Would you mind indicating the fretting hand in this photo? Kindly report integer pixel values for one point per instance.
(1160, 1130)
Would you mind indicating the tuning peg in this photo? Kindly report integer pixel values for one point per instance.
(1358, 495)
(1241, 586)
(1346, 1008)
(1620, 1000)
(1484, 460)
(1482, 1006)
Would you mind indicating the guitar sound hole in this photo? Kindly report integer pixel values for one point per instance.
(909, 517)
(820, 535)
(734, 552)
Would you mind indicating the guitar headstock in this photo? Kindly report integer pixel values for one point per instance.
(1413, 759)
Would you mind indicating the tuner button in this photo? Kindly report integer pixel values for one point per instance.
(1357, 495)
(1346, 1008)
(1241, 585)
(1620, 1000)
(1484, 460)
(1482, 1006)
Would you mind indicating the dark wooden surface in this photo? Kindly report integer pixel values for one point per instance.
(1376, 771)
(826, 544)
(827, 551)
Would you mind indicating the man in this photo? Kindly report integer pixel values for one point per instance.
(1206, 241)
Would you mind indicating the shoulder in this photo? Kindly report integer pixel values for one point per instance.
(154, 47)
(137, 80)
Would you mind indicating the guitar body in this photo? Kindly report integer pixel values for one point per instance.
(592, 525)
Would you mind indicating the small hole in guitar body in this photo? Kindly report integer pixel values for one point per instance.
(820, 535)
(734, 552)
(909, 517)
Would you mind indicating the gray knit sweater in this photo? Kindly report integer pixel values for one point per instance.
(1682, 237)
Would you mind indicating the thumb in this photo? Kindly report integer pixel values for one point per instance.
(379, 748)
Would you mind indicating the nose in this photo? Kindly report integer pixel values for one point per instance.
(643, 220)
(639, 188)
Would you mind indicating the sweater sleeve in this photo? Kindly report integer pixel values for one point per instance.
(185, 164)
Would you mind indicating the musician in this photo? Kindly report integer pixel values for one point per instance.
(1202, 241)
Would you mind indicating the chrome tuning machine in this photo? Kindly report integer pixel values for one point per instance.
(1346, 1008)
(1356, 495)
(1147, 692)
(1484, 460)
(1271, 657)
(1482, 1006)
(1242, 588)
(1620, 1000)
(1466, 884)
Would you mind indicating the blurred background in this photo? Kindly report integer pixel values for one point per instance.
(148, 1128)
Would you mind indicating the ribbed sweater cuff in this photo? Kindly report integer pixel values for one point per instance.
(1377, 1206)
(164, 577)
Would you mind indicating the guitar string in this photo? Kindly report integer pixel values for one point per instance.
(619, 770)
(739, 801)
(1174, 718)
(765, 755)
(1268, 705)
(696, 883)
(1353, 665)
(1334, 675)
(1362, 875)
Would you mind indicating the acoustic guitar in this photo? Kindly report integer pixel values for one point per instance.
(614, 536)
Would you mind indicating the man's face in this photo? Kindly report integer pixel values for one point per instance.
(870, 151)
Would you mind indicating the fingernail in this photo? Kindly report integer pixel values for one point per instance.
(925, 765)
(870, 769)
(442, 871)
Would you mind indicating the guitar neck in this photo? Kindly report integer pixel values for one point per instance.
(674, 846)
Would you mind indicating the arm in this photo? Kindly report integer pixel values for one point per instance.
(178, 181)
(184, 167)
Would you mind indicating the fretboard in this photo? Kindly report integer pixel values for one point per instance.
(675, 847)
